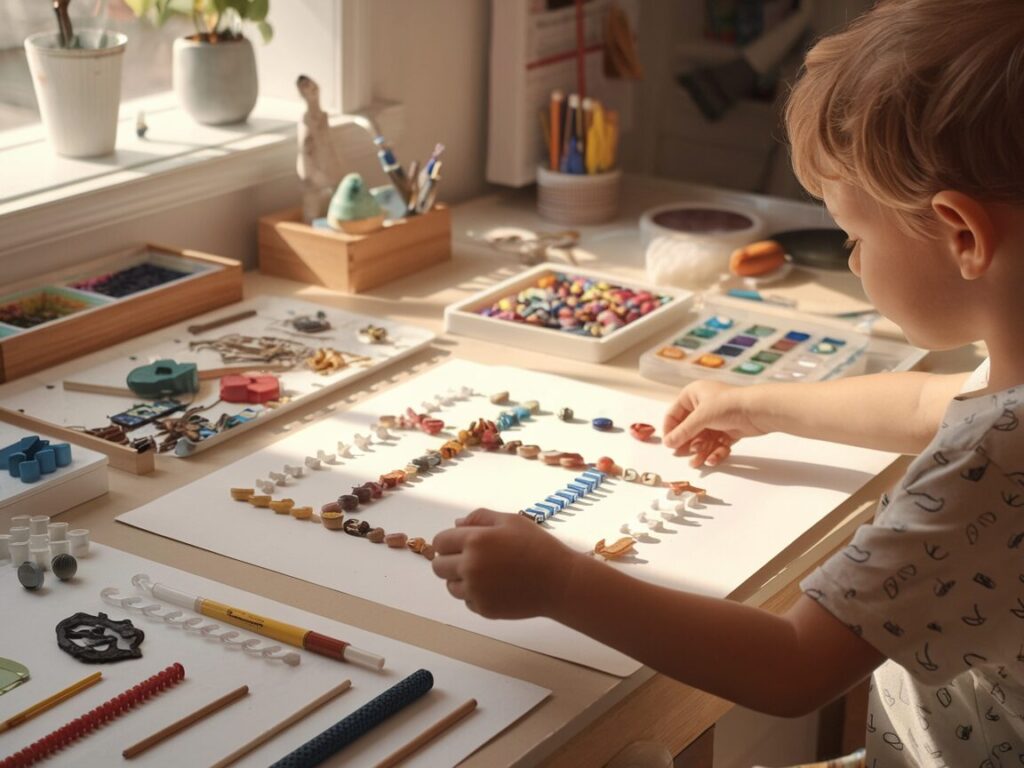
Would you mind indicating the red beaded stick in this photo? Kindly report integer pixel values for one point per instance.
(92, 720)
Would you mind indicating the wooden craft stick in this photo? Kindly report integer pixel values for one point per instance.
(185, 722)
(50, 701)
(430, 733)
(216, 373)
(209, 326)
(97, 389)
(286, 723)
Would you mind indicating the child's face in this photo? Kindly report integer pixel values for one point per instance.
(913, 281)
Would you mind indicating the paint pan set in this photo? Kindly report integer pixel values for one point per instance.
(729, 342)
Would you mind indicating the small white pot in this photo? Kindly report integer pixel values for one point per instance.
(215, 82)
(78, 89)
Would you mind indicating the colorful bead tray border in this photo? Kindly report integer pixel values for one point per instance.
(464, 318)
(739, 344)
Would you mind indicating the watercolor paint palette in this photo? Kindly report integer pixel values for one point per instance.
(738, 345)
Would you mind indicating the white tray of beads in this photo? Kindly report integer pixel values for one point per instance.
(573, 337)
(731, 341)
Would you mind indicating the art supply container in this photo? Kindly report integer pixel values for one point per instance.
(78, 89)
(569, 198)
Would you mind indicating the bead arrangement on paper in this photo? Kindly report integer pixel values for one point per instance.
(708, 537)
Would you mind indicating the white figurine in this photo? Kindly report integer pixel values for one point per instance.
(318, 165)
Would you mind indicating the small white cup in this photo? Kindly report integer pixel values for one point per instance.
(60, 547)
(38, 523)
(19, 552)
(57, 531)
(20, 533)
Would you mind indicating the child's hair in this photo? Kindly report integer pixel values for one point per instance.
(914, 97)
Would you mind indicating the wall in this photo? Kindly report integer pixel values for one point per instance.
(433, 57)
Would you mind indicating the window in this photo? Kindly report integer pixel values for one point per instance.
(147, 60)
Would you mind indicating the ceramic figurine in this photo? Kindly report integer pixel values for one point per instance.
(317, 165)
(353, 209)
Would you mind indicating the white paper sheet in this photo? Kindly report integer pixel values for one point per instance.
(773, 490)
(212, 670)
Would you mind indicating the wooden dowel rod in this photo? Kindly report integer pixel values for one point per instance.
(185, 722)
(286, 723)
(430, 733)
(97, 389)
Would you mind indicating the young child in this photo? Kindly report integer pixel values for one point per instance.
(910, 126)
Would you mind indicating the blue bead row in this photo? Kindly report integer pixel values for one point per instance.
(559, 500)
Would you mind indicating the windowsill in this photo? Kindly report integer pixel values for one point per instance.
(178, 161)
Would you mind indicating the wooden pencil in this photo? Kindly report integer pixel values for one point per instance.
(185, 722)
(430, 733)
(50, 701)
(286, 723)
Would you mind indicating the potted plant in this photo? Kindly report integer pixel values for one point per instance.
(77, 80)
(214, 70)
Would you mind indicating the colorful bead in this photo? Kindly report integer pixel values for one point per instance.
(565, 414)
(533, 405)
(551, 457)
(422, 464)
(376, 489)
(331, 506)
(332, 520)
(282, 506)
(602, 423)
(650, 478)
(605, 464)
(490, 439)
(506, 421)
(396, 540)
(630, 475)
(347, 502)
(411, 470)
(431, 426)
(642, 432)
(362, 493)
(522, 412)
(376, 535)
(528, 451)
(511, 446)
(302, 513)
(259, 501)
(428, 551)
(571, 460)
(416, 544)
(242, 494)
(499, 397)
(616, 549)
(355, 527)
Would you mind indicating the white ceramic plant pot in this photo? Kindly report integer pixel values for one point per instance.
(215, 82)
(78, 89)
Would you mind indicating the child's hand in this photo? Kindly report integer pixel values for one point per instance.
(706, 419)
(504, 566)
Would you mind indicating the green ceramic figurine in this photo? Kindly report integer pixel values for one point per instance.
(353, 209)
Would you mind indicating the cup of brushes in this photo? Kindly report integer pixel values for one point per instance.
(579, 183)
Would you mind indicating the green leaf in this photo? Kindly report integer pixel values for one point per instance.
(266, 31)
(258, 10)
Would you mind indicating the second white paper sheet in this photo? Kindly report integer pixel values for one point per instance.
(772, 490)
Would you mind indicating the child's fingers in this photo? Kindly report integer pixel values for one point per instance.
(479, 516)
(447, 566)
(718, 455)
(457, 589)
(451, 541)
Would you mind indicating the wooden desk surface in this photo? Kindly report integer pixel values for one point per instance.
(590, 715)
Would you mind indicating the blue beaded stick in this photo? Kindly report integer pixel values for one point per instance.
(367, 717)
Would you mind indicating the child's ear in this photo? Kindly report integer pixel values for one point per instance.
(967, 228)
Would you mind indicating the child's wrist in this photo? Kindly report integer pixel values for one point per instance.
(563, 584)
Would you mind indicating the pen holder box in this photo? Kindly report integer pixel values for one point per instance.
(353, 263)
(570, 198)
(102, 302)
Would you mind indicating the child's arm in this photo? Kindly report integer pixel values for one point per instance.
(889, 411)
(504, 566)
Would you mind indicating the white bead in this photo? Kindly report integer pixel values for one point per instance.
(383, 434)
(278, 477)
(642, 517)
(294, 471)
(624, 528)
(312, 462)
(325, 457)
(344, 450)
(428, 407)
(265, 486)
(362, 442)
(654, 524)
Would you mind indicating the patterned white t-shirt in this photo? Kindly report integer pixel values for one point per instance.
(936, 584)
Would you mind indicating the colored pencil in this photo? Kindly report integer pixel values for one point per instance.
(50, 701)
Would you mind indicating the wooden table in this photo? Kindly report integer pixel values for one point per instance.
(590, 715)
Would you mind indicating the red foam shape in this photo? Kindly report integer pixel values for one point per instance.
(245, 388)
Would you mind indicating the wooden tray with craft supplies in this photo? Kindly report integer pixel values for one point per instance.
(292, 249)
(196, 383)
(623, 313)
(93, 305)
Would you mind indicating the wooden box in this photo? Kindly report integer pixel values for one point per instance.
(353, 263)
(91, 320)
